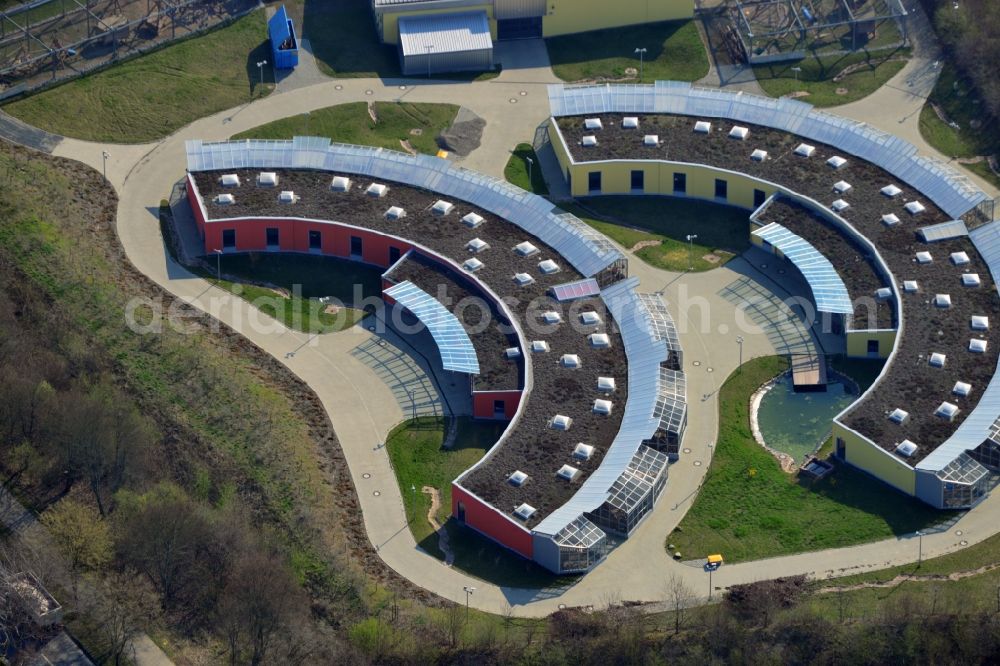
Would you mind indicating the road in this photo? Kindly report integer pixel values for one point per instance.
(513, 105)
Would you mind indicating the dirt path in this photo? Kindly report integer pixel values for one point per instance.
(905, 578)
(443, 543)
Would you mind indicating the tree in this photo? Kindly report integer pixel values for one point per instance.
(679, 597)
(257, 605)
(80, 533)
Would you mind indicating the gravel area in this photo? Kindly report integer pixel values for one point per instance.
(860, 277)
(477, 314)
(530, 445)
(910, 382)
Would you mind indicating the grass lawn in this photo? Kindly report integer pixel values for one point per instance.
(516, 171)
(343, 39)
(749, 509)
(957, 98)
(301, 280)
(665, 221)
(817, 74)
(350, 123)
(415, 449)
(674, 51)
(149, 97)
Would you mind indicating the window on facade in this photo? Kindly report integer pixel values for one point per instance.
(639, 180)
(721, 189)
(680, 183)
(873, 346)
(759, 196)
(315, 240)
(594, 181)
(394, 255)
(357, 246)
(499, 407)
(229, 238)
(272, 236)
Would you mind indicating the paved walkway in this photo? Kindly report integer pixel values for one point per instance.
(364, 408)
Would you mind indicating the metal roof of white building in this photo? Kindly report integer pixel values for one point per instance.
(444, 33)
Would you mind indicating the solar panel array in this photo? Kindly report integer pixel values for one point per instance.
(586, 249)
(453, 343)
(571, 291)
(950, 190)
(828, 289)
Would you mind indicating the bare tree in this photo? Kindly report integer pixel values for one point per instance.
(679, 597)
(258, 604)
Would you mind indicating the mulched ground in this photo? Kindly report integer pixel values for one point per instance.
(856, 269)
(530, 445)
(909, 383)
(476, 313)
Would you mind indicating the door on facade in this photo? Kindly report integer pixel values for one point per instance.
(461, 512)
(519, 28)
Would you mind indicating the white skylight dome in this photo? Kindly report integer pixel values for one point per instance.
(524, 511)
(914, 207)
(924, 257)
(942, 300)
(703, 127)
(442, 207)
(899, 416)
(890, 219)
(560, 422)
(739, 133)
(960, 258)
(340, 184)
(630, 122)
(569, 361)
(971, 279)
(758, 155)
(805, 150)
(590, 318)
(962, 389)
(599, 340)
(517, 478)
(911, 286)
(602, 406)
(548, 267)
(947, 411)
(977, 346)
(840, 205)
(472, 264)
(937, 359)
(606, 384)
(568, 472)
(512, 352)
(891, 191)
(651, 140)
(539, 346)
(523, 279)
(229, 180)
(225, 199)
(906, 448)
(589, 141)
(267, 178)
(883, 293)
(477, 245)
(287, 196)
(583, 451)
(525, 249)
(841, 186)
(836, 161)
(593, 124)
(472, 220)
(395, 213)
(980, 323)
(551, 317)
(377, 190)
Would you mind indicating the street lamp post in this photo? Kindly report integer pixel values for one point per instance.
(920, 547)
(710, 583)
(739, 341)
(531, 163)
(690, 239)
(105, 155)
(468, 593)
(218, 265)
(429, 47)
(796, 70)
(260, 68)
(642, 53)
(306, 114)
(413, 404)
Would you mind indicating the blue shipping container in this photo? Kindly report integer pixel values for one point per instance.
(284, 44)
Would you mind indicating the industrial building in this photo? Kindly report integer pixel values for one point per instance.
(920, 290)
(448, 35)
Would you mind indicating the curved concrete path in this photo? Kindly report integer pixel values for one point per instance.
(513, 106)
